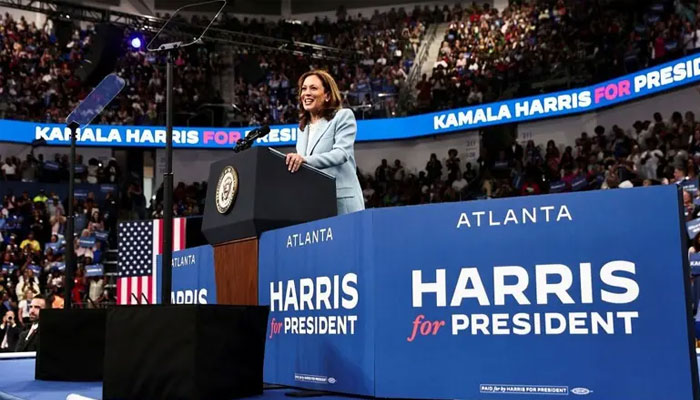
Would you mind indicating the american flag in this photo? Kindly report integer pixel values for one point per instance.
(139, 245)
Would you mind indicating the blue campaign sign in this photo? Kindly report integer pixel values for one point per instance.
(108, 188)
(316, 279)
(693, 227)
(9, 267)
(487, 299)
(690, 185)
(659, 78)
(51, 166)
(35, 268)
(94, 270)
(193, 281)
(694, 259)
(56, 247)
(520, 285)
(557, 187)
(101, 235)
(88, 241)
(579, 183)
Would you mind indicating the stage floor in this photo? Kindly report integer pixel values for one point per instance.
(17, 383)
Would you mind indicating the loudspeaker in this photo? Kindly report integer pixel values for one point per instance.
(101, 56)
(188, 352)
(71, 345)
(64, 32)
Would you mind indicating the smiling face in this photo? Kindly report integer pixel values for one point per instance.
(313, 95)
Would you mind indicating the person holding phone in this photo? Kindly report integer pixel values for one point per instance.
(9, 332)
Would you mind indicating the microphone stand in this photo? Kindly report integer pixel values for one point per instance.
(169, 49)
(70, 221)
(246, 142)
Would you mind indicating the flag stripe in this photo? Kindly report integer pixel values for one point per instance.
(157, 237)
(122, 291)
(176, 235)
(135, 290)
(146, 285)
(140, 243)
(139, 281)
(182, 234)
(132, 289)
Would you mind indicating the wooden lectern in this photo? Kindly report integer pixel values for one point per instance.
(265, 195)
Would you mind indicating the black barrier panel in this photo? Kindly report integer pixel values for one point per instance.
(184, 352)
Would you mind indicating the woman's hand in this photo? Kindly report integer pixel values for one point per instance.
(294, 162)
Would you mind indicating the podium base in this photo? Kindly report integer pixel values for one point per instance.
(236, 267)
(184, 352)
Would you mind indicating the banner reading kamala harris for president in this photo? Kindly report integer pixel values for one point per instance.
(657, 79)
(545, 295)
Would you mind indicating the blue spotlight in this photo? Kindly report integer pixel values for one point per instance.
(136, 42)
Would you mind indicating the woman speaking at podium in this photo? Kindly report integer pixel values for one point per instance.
(326, 138)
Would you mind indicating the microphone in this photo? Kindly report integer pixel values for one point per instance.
(251, 137)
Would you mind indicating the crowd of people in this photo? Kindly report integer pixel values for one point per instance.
(33, 248)
(188, 201)
(378, 52)
(485, 54)
(37, 169)
(488, 54)
(38, 80)
(650, 152)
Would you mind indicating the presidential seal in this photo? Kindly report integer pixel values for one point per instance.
(226, 189)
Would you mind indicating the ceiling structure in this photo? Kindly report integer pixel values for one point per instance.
(274, 7)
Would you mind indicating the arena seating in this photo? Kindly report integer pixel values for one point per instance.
(530, 47)
(486, 54)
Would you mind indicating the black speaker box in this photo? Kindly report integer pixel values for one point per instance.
(71, 345)
(64, 32)
(187, 352)
(106, 47)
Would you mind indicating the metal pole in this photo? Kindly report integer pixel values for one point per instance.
(168, 186)
(70, 221)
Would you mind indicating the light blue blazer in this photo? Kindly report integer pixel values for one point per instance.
(333, 152)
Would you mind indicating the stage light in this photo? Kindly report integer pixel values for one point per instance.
(136, 43)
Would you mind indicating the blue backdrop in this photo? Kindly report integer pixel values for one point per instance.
(566, 294)
(194, 281)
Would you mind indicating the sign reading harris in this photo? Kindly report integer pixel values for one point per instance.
(625, 88)
(314, 278)
(544, 295)
(194, 281)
